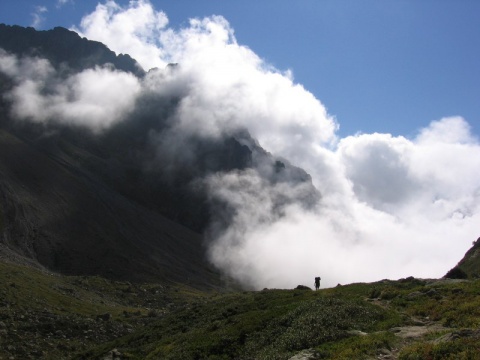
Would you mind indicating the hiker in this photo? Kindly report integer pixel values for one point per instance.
(317, 282)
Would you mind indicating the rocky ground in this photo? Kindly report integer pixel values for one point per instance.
(48, 316)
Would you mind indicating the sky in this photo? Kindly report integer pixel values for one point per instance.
(378, 66)
(378, 102)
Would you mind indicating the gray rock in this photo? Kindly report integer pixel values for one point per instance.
(113, 355)
(357, 333)
(308, 354)
(302, 287)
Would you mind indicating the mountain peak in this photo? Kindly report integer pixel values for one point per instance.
(63, 46)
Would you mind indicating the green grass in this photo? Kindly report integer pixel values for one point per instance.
(178, 322)
(273, 324)
(358, 347)
(36, 290)
(36, 304)
(454, 305)
(460, 349)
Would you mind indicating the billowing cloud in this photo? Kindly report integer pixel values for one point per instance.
(412, 208)
(134, 30)
(227, 85)
(95, 98)
(390, 206)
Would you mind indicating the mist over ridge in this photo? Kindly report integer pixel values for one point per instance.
(364, 207)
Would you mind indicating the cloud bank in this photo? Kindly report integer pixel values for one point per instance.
(408, 207)
(95, 98)
(391, 207)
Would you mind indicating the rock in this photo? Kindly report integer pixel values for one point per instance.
(308, 354)
(407, 332)
(385, 354)
(104, 317)
(116, 353)
(302, 287)
(113, 355)
(357, 333)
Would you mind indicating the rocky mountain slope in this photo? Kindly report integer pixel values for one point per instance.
(61, 46)
(114, 203)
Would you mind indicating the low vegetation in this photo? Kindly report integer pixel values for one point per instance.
(48, 316)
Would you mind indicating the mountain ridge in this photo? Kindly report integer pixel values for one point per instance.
(61, 45)
(115, 203)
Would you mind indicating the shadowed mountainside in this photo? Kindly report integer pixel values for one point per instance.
(115, 203)
(61, 46)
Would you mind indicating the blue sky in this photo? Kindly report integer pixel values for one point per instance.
(378, 66)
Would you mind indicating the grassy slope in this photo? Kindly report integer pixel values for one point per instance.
(53, 317)
(48, 316)
(470, 264)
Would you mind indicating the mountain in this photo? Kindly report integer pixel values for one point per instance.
(62, 46)
(119, 203)
(469, 266)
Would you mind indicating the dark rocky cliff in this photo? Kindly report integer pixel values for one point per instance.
(62, 46)
(113, 203)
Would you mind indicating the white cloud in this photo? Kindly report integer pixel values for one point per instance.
(61, 3)
(38, 16)
(95, 98)
(413, 209)
(391, 206)
(134, 30)
(453, 130)
(228, 84)
(378, 167)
